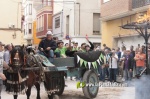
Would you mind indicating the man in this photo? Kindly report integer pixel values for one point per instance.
(75, 46)
(118, 52)
(89, 48)
(104, 70)
(7, 53)
(105, 47)
(83, 47)
(2, 64)
(132, 54)
(47, 46)
(127, 67)
(140, 61)
(113, 66)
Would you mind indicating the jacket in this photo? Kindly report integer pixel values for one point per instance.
(47, 43)
(130, 66)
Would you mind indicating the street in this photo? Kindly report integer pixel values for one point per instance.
(71, 92)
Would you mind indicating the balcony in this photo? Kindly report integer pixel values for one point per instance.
(43, 7)
(140, 3)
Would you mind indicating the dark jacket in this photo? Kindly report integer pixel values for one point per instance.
(70, 53)
(130, 66)
(119, 55)
(92, 46)
(47, 43)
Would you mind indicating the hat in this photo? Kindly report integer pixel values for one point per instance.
(49, 33)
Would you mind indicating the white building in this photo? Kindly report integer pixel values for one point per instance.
(81, 18)
(29, 15)
(10, 27)
(58, 25)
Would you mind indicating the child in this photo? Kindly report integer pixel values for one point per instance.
(61, 49)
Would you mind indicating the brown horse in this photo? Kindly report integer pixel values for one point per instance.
(33, 73)
(21, 80)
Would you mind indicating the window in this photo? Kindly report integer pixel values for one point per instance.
(30, 9)
(27, 10)
(49, 2)
(42, 22)
(57, 22)
(30, 28)
(96, 24)
(49, 21)
(104, 1)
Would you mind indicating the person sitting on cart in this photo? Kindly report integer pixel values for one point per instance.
(89, 47)
(85, 47)
(47, 46)
(61, 50)
(82, 49)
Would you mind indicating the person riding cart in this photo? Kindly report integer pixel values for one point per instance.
(47, 46)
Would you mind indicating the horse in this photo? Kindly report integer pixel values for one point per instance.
(16, 82)
(34, 73)
(21, 80)
(26, 72)
(37, 75)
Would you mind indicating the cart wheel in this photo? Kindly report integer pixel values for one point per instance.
(53, 96)
(61, 86)
(90, 77)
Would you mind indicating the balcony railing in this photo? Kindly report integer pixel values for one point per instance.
(140, 3)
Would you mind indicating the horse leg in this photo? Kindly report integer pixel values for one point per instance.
(15, 96)
(37, 85)
(28, 93)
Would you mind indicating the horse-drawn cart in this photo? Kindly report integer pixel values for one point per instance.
(37, 68)
(84, 66)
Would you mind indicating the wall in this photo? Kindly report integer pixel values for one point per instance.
(113, 35)
(35, 39)
(87, 8)
(58, 31)
(68, 9)
(114, 7)
(10, 15)
(58, 6)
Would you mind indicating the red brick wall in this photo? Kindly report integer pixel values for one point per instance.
(114, 7)
(45, 27)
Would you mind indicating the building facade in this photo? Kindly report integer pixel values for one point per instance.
(58, 25)
(11, 18)
(29, 12)
(81, 18)
(115, 13)
(44, 13)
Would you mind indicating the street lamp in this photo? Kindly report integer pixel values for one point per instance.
(141, 26)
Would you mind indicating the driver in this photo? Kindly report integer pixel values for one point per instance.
(47, 46)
